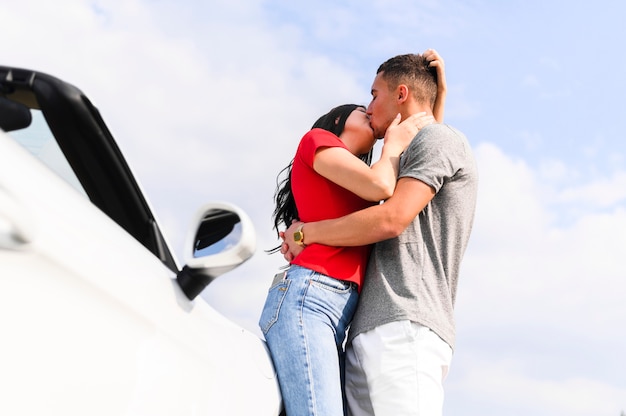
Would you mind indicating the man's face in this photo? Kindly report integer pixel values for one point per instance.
(383, 108)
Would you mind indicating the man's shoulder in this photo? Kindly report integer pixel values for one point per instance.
(438, 135)
(441, 130)
(438, 151)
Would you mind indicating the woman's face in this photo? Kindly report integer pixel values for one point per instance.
(359, 132)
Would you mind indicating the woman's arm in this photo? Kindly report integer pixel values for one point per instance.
(377, 182)
(442, 88)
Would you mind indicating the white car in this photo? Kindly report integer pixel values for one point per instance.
(97, 317)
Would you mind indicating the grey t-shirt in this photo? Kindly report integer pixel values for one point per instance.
(414, 276)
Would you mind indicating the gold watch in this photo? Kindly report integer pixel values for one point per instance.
(298, 236)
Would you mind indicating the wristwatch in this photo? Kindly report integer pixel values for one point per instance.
(298, 236)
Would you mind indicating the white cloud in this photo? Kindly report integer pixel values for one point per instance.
(522, 254)
(530, 80)
(204, 109)
(601, 193)
(541, 300)
(536, 291)
(511, 390)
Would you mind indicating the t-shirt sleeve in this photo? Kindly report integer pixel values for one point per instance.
(313, 140)
(433, 157)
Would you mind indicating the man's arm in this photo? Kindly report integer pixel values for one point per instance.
(369, 225)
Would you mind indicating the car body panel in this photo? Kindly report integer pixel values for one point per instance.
(93, 322)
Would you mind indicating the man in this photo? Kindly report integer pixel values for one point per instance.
(402, 335)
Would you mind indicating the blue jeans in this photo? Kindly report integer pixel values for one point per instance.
(304, 321)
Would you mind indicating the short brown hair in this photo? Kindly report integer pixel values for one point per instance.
(413, 71)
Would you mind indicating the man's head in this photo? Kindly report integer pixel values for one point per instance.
(404, 84)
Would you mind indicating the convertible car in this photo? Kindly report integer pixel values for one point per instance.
(98, 317)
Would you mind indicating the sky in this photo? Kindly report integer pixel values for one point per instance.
(208, 100)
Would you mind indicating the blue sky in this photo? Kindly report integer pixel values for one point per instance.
(209, 99)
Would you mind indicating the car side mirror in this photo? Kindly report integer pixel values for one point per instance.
(14, 116)
(221, 238)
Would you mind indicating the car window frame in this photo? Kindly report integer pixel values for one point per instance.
(91, 151)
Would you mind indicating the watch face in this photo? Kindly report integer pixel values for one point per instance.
(297, 236)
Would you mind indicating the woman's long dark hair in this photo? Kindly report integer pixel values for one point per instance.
(286, 210)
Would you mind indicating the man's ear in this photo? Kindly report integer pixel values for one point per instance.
(403, 93)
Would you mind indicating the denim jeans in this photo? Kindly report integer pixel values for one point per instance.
(304, 321)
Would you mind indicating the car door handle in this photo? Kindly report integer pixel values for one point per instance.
(15, 224)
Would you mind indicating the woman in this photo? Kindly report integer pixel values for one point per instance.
(306, 337)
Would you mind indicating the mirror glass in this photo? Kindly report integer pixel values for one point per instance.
(219, 230)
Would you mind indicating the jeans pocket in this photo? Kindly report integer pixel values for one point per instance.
(331, 284)
(273, 302)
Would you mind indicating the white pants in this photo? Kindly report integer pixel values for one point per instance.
(396, 369)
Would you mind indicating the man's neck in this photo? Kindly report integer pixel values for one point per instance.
(414, 108)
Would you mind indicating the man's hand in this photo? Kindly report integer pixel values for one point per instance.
(289, 248)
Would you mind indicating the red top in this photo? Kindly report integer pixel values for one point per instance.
(318, 198)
